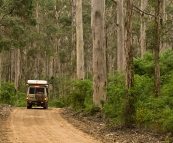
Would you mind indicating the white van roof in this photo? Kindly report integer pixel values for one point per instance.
(36, 82)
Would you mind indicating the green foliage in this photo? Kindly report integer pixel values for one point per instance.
(91, 109)
(152, 3)
(150, 34)
(49, 4)
(66, 21)
(169, 9)
(151, 112)
(7, 93)
(156, 112)
(109, 3)
(144, 65)
(5, 44)
(143, 88)
(62, 56)
(58, 103)
(51, 30)
(167, 119)
(80, 95)
(166, 82)
(166, 61)
(20, 99)
(113, 107)
(33, 22)
(86, 17)
(14, 21)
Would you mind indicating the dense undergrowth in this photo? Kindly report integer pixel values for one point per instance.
(152, 113)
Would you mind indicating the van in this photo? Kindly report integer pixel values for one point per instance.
(37, 93)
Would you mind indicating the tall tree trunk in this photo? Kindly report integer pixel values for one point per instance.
(163, 44)
(157, 47)
(17, 67)
(12, 69)
(73, 53)
(129, 109)
(120, 41)
(99, 51)
(0, 67)
(143, 27)
(79, 40)
(56, 61)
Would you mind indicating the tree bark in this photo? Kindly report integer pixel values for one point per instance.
(157, 48)
(129, 109)
(17, 67)
(143, 28)
(73, 34)
(120, 40)
(163, 44)
(79, 40)
(0, 68)
(99, 51)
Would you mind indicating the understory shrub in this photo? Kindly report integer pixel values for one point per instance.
(58, 103)
(7, 93)
(155, 114)
(80, 96)
(151, 112)
(20, 99)
(113, 107)
(144, 65)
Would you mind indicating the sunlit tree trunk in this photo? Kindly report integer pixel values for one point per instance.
(143, 27)
(129, 109)
(79, 40)
(99, 51)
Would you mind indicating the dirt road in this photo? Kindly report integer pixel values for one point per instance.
(43, 126)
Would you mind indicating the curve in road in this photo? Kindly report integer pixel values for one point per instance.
(43, 126)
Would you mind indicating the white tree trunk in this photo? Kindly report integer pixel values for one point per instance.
(79, 40)
(99, 51)
(120, 41)
(143, 28)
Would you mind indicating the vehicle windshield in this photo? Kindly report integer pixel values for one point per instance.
(33, 90)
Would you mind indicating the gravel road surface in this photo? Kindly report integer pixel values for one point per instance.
(42, 126)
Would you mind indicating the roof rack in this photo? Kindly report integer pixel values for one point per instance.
(37, 82)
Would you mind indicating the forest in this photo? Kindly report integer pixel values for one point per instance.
(109, 56)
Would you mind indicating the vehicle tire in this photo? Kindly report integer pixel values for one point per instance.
(45, 106)
(29, 106)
